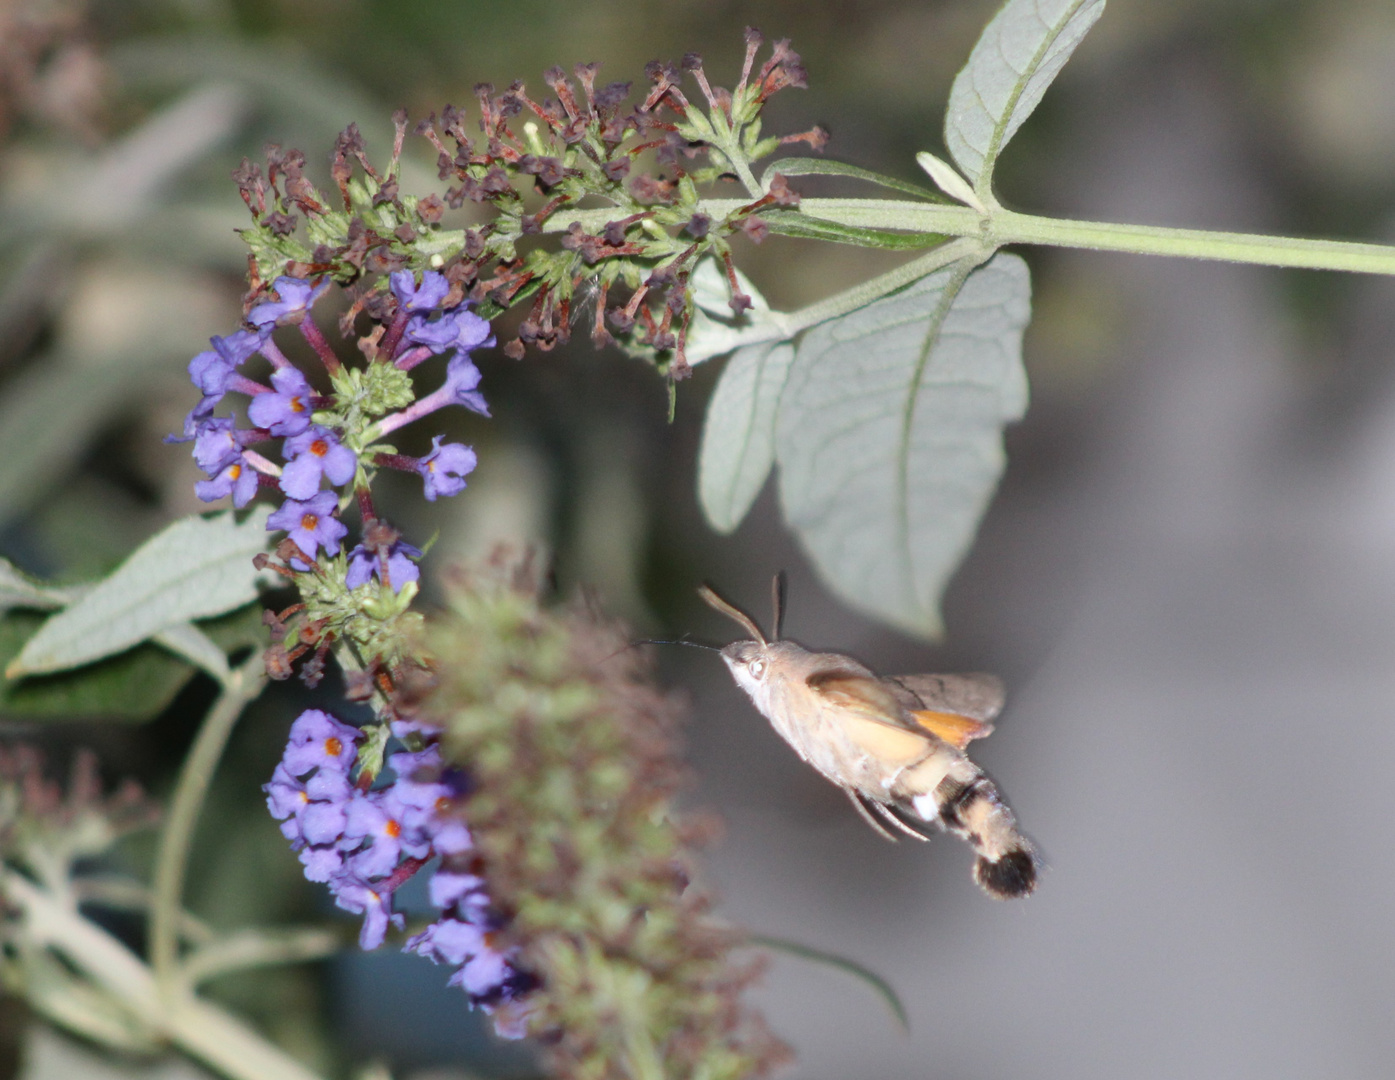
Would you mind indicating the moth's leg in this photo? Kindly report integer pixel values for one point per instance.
(886, 813)
(856, 800)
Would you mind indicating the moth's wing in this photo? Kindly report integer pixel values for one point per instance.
(956, 708)
(951, 727)
(872, 715)
(979, 696)
(861, 694)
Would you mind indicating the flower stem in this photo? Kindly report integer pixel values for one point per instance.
(172, 859)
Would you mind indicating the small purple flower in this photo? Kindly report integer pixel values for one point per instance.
(445, 468)
(296, 298)
(322, 863)
(458, 328)
(401, 728)
(212, 371)
(217, 444)
(461, 379)
(420, 777)
(486, 975)
(318, 740)
(354, 894)
(451, 835)
(447, 941)
(198, 416)
(314, 454)
(287, 411)
(402, 568)
(451, 887)
(311, 523)
(237, 479)
(424, 297)
(377, 818)
(312, 812)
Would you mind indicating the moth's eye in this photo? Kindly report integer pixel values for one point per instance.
(757, 668)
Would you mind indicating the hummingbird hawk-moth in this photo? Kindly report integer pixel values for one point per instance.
(894, 744)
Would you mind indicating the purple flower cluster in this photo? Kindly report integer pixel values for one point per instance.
(366, 844)
(361, 834)
(318, 452)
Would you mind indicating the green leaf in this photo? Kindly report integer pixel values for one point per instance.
(738, 434)
(883, 988)
(189, 642)
(805, 227)
(826, 167)
(19, 590)
(196, 568)
(134, 687)
(1017, 56)
(889, 434)
(715, 330)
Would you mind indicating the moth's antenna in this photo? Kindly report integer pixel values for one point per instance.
(777, 597)
(731, 612)
(656, 641)
(676, 641)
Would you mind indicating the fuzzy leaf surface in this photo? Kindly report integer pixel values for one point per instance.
(1015, 59)
(889, 435)
(19, 590)
(195, 569)
(715, 329)
(133, 687)
(738, 434)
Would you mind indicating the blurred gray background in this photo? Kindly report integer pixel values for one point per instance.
(1187, 579)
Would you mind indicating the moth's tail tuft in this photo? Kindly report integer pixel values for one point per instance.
(966, 803)
(1012, 875)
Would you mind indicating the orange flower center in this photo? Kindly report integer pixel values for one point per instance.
(393, 829)
(319, 448)
(235, 471)
(297, 405)
(309, 521)
(333, 747)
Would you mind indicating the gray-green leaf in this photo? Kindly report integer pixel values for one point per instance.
(132, 687)
(889, 434)
(1017, 56)
(715, 330)
(195, 569)
(189, 642)
(19, 590)
(738, 435)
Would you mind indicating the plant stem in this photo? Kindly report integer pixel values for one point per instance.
(241, 686)
(1013, 228)
(1002, 227)
(198, 1028)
